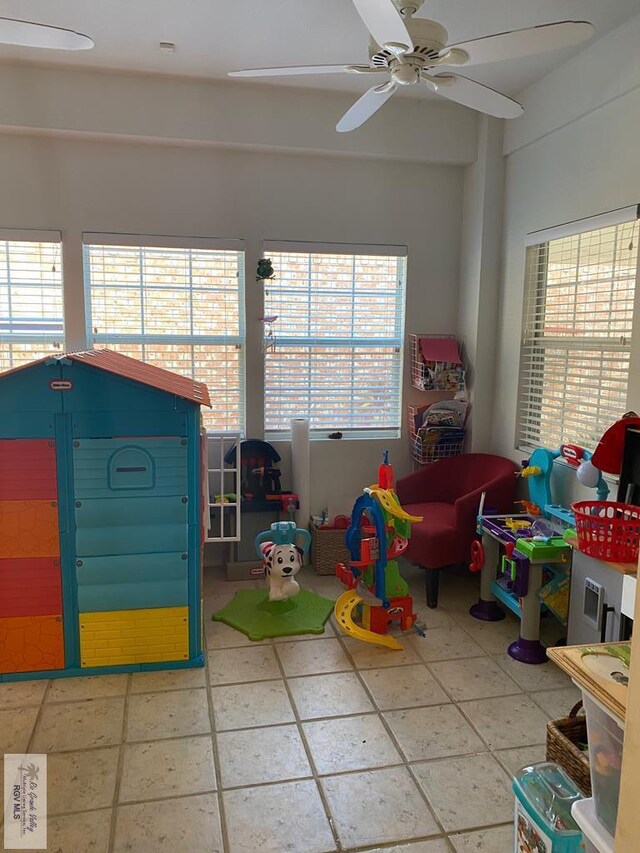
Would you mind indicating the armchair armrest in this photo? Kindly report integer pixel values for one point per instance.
(467, 509)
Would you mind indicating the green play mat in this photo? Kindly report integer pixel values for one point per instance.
(251, 612)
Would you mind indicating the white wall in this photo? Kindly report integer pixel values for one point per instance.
(574, 154)
(74, 185)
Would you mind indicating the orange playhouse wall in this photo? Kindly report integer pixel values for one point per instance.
(29, 529)
(31, 643)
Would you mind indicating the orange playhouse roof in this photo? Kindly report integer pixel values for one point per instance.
(131, 368)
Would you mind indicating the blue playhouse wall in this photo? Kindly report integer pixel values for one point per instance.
(129, 516)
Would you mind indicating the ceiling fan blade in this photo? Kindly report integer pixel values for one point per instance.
(474, 95)
(365, 107)
(294, 69)
(28, 34)
(384, 22)
(525, 42)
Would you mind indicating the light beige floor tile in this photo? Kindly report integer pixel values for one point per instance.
(239, 706)
(367, 656)
(521, 756)
(221, 636)
(434, 732)
(404, 687)
(329, 695)
(458, 790)
(445, 644)
(533, 677)
(433, 617)
(312, 658)
(87, 832)
(508, 721)
(329, 631)
(22, 694)
(79, 725)
(167, 768)
(81, 781)
(473, 678)
(350, 743)
(253, 756)
(185, 824)
(175, 713)
(87, 687)
(400, 812)
(326, 585)
(436, 845)
(16, 726)
(169, 679)
(286, 817)
(496, 840)
(557, 703)
(250, 663)
(494, 637)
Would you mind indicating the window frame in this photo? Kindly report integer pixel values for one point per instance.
(397, 342)
(146, 241)
(535, 244)
(38, 236)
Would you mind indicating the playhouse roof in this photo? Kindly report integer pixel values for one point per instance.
(130, 368)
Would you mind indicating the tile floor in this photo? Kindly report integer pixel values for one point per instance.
(304, 745)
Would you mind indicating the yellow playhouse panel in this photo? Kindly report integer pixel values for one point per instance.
(117, 637)
(29, 529)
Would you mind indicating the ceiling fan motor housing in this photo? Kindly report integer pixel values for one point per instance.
(429, 38)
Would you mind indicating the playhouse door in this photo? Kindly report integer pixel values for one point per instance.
(131, 512)
(31, 629)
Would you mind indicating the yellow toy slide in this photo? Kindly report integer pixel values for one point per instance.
(345, 606)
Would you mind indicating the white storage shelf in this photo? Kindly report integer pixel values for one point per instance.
(223, 520)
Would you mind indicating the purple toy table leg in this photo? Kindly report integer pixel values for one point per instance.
(528, 648)
(487, 608)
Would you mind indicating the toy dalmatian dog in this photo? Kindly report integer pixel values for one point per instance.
(281, 564)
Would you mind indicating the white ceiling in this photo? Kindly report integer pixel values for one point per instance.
(216, 36)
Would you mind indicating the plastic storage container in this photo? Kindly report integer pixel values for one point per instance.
(544, 797)
(596, 839)
(605, 734)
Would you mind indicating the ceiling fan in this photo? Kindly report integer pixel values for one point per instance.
(414, 50)
(28, 34)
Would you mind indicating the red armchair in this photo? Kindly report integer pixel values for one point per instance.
(447, 495)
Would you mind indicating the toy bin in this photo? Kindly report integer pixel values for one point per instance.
(606, 738)
(595, 837)
(544, 797)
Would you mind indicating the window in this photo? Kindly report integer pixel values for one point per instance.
(577, 327)
(31, 318)
(337, 357)
(177, 304)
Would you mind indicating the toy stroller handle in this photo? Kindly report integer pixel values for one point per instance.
(282, 534)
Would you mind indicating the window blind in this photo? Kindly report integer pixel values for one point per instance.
(337, 357)
(179, 308)
(576, 340)
(31, 312)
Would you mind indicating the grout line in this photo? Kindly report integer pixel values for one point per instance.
(224, 831)
(119, 767)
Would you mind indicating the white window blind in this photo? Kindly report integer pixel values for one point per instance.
(337, 357)
(577, 328)
(31, 314)
(179, 307)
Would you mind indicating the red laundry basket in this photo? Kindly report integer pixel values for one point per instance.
(608, 530)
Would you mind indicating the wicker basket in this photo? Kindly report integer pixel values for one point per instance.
(562, 738)
(328, 549)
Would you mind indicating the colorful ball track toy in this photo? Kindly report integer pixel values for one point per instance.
(379, 532)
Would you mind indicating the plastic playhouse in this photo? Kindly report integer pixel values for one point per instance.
(378, 534)
(525, 559)
(101, 517)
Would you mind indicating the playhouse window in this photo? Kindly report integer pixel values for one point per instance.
(175, 303)
(576, 331)
(31, 318)
(336, 351)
